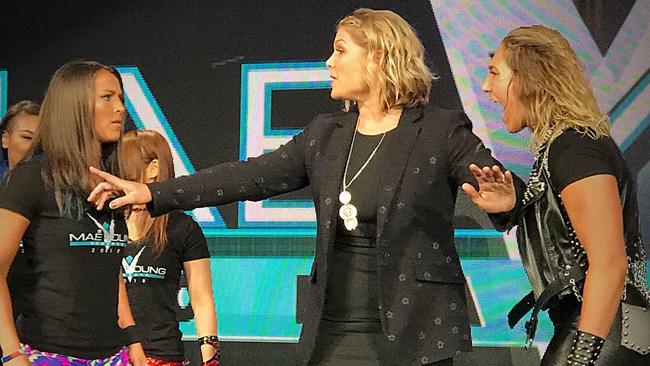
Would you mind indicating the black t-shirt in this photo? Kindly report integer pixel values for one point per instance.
(153, 282)
(19, 280)
(76, 264)
(574, 156)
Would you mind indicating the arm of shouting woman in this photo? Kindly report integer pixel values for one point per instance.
(594, 208)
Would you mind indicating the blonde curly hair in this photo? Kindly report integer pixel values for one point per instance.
(403, 78)
(550, 82)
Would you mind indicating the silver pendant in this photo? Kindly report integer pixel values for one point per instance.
(351, 224)
(348, 212)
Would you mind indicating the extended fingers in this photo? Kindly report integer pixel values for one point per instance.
(102, 198)
(479, 173)
(120, 202)
(99, 191)
(490, 174)
(110, 178)
(499, 177)
(482, 175)
(508, 178)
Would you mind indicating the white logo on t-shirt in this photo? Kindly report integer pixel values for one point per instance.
(133, 270)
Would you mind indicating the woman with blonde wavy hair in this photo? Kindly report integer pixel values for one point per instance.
(386, 286)
(578, 222)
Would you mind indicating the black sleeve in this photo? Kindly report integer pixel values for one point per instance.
(574, 156)
(194, 246)
(280, 171)
(466, 148)
(22, 188)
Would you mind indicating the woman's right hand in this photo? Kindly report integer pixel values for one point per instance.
(131, 193)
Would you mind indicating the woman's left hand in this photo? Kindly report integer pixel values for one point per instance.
(496, 192)
(136, 355)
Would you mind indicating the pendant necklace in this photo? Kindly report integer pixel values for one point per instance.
(348, 212)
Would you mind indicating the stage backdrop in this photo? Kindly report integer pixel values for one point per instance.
(227, 80)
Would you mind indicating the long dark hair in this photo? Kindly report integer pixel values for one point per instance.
(67, 138)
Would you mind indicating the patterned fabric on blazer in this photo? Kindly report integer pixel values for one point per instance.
(422, 299)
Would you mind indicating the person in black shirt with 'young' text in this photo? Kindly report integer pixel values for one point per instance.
(160, 249)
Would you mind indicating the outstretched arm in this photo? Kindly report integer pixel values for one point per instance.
(280, 171)
(491, 187)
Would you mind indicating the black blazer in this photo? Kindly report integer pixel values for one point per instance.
(422, 299)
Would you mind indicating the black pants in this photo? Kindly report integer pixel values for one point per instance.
(565, 318)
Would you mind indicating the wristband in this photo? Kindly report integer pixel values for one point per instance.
(131, 335)
(212, 340)
(585, 350)
(11, 356)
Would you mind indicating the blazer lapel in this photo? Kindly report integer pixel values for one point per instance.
(397, 154)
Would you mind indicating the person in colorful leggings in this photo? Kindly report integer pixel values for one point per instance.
(78, 311)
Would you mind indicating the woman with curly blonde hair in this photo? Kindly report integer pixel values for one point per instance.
(386, 286)
(578, 224)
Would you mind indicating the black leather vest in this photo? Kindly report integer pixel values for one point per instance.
(549, 248)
